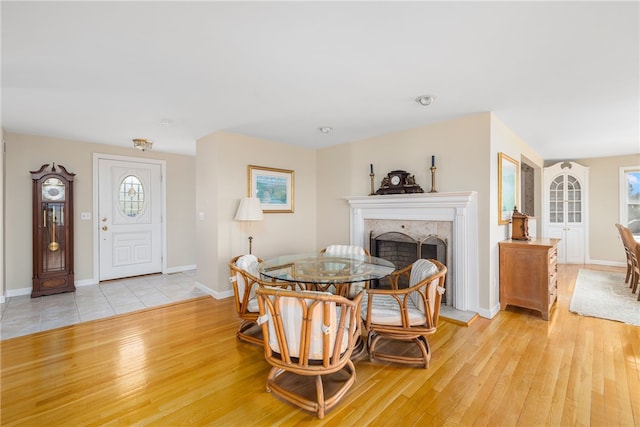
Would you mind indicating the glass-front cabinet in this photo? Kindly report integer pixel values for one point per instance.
(565, 210)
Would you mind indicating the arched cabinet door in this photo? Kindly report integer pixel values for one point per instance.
(566, 210)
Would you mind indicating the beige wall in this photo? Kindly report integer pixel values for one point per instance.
(222, 160)
(466, 151)
(26, 152)
(463, 160)
(604, 206)
(203, 194)
(503, 140)
(2, 244)
(461, 149)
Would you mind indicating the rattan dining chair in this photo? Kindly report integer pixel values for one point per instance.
(352, 289)
(245, 280)
(407, 314)
(309, 336)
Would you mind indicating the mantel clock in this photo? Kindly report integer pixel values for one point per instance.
(399, 182)
(52, 230)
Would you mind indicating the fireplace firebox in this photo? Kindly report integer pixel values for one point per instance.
(403, 250)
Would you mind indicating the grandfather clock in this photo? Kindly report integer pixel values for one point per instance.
(52, 231)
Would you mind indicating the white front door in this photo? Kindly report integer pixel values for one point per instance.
(129, 218)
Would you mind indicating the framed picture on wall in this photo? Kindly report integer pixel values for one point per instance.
(274, 188)
(508, 172)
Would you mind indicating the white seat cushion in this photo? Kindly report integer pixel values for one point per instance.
(344, 250)
(291, 314)
(252, 305)
(420, 270)
(386, 311)
(248, 263)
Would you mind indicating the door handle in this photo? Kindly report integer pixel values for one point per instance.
(104, 228)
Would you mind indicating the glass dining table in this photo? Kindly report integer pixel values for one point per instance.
(326, 272)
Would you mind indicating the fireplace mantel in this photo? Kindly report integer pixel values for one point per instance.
(461, 208)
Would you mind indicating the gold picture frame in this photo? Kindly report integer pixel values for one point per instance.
(274, 187)
(508, 179)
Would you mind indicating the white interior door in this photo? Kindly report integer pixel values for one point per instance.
(130, 218)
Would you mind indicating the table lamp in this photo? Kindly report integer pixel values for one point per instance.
(249, 210)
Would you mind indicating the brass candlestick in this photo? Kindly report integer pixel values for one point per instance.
(371, 175)
(433, 179)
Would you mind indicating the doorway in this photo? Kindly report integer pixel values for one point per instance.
(128, 223)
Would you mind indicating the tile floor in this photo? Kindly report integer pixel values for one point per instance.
(24, 315)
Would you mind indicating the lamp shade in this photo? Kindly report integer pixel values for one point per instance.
(249, 209)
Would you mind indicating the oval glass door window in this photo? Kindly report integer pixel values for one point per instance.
(131, 196)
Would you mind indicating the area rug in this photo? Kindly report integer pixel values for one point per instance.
(604, 294)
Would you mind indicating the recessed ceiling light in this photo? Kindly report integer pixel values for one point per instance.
(165, 122)
(425, 100)
(325, 129)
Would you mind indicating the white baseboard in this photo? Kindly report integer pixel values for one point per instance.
(180, 269)
(609, 263)
(85, 282)
(215, 294)
(18, 292)
(489, 314)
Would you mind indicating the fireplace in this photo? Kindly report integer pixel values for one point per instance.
(452, 217)
(403, 249)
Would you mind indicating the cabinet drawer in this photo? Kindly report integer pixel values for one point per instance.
(553, 281)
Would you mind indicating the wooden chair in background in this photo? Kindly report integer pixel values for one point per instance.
(632, 251)
(407, 314)
(626, 252)
(309, 335)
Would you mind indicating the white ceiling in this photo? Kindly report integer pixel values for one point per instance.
(564, 76)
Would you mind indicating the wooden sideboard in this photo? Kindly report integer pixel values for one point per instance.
(528, 274)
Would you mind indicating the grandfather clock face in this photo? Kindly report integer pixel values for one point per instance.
(53, 190)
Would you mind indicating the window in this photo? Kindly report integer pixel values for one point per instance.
(630, 198)
(131, 196)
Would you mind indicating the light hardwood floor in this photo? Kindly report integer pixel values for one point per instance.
(182, 365)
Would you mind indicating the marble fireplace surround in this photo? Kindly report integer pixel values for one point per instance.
(459, 208)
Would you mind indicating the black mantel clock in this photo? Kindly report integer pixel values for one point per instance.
(399, 182)
(52, 231)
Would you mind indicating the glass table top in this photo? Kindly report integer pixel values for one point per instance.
(321, 268)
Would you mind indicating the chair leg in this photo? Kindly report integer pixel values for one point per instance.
(320, 405)
(421, 342)
(242, 334)
(320, 397)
